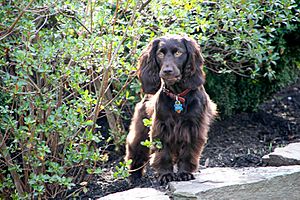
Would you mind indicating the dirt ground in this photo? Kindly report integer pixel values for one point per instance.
(239, 141)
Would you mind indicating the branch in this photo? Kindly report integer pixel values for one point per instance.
(73, 17)
(128, 81)
(144, 5)
(10, 165)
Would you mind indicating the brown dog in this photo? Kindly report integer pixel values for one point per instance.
(170, 70)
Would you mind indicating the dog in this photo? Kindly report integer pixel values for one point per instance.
(171, 73)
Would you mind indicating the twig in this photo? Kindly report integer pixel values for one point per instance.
(70, 195)
(238, 73)
(73, 17)
(144, 5)
(37, 31)
(141, 167)
(48, 15)
(42, 9)
(211, 69)
(121, 90)
(91, 3)
(34, 85)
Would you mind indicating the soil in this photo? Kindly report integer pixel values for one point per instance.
(239, 141)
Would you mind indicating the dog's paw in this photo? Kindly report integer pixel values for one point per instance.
(166, 178)
(185, 176)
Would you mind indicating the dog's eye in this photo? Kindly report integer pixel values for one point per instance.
(178, 53)
(160, 55)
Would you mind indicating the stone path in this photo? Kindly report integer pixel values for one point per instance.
(137, 193)
(266, 183)
(288, 155)
(262, 183)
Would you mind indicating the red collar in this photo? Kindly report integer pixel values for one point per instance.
(179, 96)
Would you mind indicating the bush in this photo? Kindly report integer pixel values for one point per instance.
(244, 44)
(64, 65)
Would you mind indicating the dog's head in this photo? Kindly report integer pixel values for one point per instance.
(172, 59)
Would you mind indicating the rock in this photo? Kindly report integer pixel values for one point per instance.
(265, 183)
(288, 155)
(137, 193)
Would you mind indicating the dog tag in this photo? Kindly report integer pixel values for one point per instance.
(178, 106)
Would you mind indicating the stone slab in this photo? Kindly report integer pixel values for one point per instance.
(265, 183)
(137, 194)
(288, 155)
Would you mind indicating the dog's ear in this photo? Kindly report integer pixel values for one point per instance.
(148, 69)
(193, 74)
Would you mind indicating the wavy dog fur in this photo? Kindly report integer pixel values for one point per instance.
(174, 62)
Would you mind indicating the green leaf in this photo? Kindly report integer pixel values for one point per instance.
(85, 190)
(146, 143)
(89, 123)
(147, 122)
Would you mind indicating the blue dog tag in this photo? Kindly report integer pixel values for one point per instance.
(178, 106)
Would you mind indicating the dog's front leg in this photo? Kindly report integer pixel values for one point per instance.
(193, 139)
(162, 161)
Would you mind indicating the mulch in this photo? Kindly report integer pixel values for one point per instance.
(239, 141)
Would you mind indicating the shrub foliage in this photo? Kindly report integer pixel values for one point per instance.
(66, 64)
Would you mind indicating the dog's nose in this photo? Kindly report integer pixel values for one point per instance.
(168, 71)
